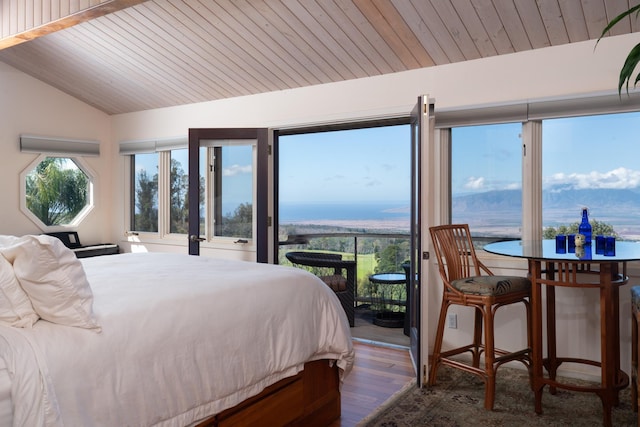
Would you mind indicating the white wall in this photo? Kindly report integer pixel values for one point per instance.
(28, 106)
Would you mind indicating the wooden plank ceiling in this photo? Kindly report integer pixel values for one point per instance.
(162, 53)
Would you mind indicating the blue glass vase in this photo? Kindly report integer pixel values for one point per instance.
(585, 228)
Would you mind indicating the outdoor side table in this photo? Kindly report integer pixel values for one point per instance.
(388, 284)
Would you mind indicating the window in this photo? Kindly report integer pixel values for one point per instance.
(160, 184)
(56, 191)
(232, 177)
(585, 160)
(591, 161)
(178, 192)
(486, 179)
(145, 192)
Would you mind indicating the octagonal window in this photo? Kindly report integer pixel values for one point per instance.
(56, 191)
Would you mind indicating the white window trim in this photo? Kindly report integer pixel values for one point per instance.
(163, 235)
(93, 185)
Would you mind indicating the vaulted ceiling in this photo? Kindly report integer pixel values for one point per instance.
(130, 55)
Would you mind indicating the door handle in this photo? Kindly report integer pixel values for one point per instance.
(195, 238)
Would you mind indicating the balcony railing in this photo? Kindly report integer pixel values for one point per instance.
(373, 253)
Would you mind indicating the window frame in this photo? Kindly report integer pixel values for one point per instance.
(213, 190)
(84, 212)
(531, 115)
(132, 199)
(164, 199)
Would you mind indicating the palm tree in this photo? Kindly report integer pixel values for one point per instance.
(56, 191)
(630, 64)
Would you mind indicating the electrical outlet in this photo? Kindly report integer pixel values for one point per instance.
(452, 321)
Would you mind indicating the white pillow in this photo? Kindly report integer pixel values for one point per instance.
(54, 280)
(15, 307)
(7, 240)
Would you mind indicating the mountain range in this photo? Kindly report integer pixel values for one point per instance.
(597, 200)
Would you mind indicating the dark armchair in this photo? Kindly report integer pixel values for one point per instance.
(338, 274)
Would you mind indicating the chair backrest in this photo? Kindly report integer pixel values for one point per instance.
(454, 251)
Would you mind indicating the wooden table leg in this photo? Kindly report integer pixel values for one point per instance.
(536, 333)
(552, 354)
(610, 342)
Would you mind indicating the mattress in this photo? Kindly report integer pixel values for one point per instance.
(180, 338)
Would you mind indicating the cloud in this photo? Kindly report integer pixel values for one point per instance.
(620, 178)
(474, 183)
(234, 170)
(513, 186)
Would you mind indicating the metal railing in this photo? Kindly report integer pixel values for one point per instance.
(363, 248)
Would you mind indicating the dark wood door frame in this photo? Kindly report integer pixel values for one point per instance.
(261, 135)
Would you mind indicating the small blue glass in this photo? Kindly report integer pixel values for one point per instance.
(599, 244)
(561, 244)
(571, 243)
(609, 246)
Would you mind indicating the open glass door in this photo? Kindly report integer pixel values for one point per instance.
(229, 207)
(422, 129)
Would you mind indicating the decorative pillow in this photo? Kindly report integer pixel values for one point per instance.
(491, 285)
(54, 280)
(15, 307)
(337, 282)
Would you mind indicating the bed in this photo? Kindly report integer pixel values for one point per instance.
(165, 340)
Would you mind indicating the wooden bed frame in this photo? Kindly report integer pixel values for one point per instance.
(310, 398)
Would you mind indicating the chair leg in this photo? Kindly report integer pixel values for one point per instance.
(477, 337)
(489, 358)
(527, 305)
(437, 346)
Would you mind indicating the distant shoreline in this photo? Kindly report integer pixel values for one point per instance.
(366, 224)
(402, 226)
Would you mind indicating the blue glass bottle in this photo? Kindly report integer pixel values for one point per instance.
(585, 228)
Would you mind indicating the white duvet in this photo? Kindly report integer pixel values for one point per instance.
(182, 338)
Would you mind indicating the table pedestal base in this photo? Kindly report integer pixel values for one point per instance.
(609, 399)
(572, 274)
(389, 319)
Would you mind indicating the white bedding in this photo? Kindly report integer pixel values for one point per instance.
(6, 410)
(181, 338)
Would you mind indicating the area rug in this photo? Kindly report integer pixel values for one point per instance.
(458, 400)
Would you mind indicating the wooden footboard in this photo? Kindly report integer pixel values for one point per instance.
(311, 398)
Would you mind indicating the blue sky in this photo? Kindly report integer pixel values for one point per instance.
(579, 153)
(593, 152)
(355, 166)
(486, 158)
(373, 165)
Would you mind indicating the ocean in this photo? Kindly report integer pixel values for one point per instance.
(369, 216)
(376, 211)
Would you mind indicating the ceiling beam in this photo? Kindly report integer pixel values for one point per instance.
(70, 20)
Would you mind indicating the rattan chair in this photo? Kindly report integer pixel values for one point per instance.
(470, 283)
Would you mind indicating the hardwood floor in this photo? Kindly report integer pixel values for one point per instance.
(378, 373)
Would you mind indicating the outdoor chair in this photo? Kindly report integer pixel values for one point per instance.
(338, 274)
(468, 282)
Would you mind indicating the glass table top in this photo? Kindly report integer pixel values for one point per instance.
(388, 278)
(546, 250)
